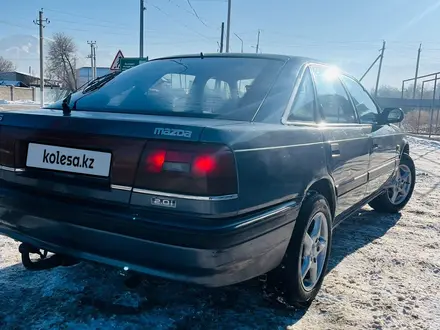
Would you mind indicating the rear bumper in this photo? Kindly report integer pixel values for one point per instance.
(223, 252)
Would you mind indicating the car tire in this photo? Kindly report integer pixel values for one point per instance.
(298, 290)
(405, 182)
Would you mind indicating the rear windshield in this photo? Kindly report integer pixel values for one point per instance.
(229, 88)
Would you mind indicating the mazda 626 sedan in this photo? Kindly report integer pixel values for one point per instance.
(208, 168)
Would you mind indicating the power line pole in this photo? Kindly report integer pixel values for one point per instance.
(40, 22)
(92, 58)
(74, 78)
(141, 29)
(222, 37)
(240, 40)
(417, 71)
(228, 28)
(258, 42)
(368, 70)
(94, 61)
(380, 68)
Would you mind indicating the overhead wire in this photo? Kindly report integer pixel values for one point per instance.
(82, 16)
(195, 13)
(88, 24)
(178, 21)
(13, 24)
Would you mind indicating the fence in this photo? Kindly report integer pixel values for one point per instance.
(12, 93)
(51, 94)
(422, 116)
(422, 120)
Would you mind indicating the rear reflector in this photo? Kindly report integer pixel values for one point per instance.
(188, 168)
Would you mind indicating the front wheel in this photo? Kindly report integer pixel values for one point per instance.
(303, 268)
(399, 194)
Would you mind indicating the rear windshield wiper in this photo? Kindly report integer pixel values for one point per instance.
(99, 82)
(88, 87)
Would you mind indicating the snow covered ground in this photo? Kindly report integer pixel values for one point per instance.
(18, 102)
(11, 105)
(384, 273)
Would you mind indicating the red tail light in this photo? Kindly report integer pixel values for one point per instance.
(155, 161)
(203, 165)
(188, 168)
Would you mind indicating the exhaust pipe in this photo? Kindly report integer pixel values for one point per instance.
(44, 262)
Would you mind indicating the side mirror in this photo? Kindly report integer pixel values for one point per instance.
(390, 116)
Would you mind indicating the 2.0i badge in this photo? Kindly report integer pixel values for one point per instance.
(164, 202)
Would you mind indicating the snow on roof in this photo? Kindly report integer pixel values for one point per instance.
(23, 73)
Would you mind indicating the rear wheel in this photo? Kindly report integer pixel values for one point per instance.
(304, 265)
(399, 194)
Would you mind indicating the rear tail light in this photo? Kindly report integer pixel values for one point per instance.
(155, 161)
(203, 164)
(188, 168)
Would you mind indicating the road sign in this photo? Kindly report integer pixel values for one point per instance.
(116, 62)
(129, 62)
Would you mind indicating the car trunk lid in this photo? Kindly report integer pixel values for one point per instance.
(88, 155)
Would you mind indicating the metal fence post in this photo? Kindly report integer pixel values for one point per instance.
(403, 87)
(436, 122)
(420, 109)
(433, 105)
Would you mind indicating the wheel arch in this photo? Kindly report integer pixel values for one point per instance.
(325, 187)
(405, 149)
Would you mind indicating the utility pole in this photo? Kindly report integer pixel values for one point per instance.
(94, 61)
(92, 57)
(240, 40)
(228, 28)
(141, 29)
(258, 42)
(74, 78)
(368, 70)
(40, 22)
(380, 68)
(222, 37)
(417, 71)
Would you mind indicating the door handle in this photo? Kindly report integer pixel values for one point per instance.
(375, 146)
(335, 149)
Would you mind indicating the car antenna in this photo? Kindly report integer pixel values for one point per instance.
(201, 55)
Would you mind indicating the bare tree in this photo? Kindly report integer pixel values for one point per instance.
(387, 91)
(6, 65)
(61, 61)
(395, 92)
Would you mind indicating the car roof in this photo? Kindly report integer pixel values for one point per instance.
(298, 59)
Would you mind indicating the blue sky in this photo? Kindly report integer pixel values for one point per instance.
(346, 32)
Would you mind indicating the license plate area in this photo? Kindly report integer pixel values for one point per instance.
(68, 160)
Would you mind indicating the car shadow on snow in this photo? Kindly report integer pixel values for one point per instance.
(90, 296)
(358, 231)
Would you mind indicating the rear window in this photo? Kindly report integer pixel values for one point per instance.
(228, 88)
